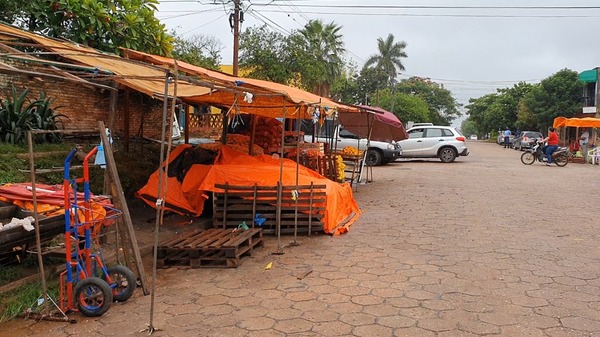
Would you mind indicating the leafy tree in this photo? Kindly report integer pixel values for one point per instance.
(318, 49)
(358, 88)
(346, 89)
(101, 24)
(406, 107)
(480, 113)
(557, 95)
(442, 107)
(200, 50)
(468, 127)
(266, 54)
(9, 10)
(389, 59)
(370, 82)
(500, 110)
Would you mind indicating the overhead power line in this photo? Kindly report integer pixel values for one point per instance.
(432, 7)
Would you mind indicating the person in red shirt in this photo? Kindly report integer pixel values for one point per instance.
(552, 140)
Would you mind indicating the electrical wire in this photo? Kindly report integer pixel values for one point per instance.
(436, 7)
(187, 13)
(445, 15)
(205, 24)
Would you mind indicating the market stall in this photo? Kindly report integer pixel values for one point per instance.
(188, 186)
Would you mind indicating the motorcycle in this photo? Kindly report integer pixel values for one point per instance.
(560, 156)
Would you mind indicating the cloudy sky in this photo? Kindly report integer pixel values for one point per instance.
(468, 46)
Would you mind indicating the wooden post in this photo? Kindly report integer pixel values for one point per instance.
(310, 207)
(38, 245)
(254, 204)
(119, 201)
(253, 121)
(225, 205)
(186, 127)
(126, 121)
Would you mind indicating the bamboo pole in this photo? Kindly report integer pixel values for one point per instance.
(159, 202)
(36, 216)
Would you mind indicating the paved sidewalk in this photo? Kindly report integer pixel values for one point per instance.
(485, 246)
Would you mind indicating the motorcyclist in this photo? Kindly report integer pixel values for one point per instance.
(552, 140)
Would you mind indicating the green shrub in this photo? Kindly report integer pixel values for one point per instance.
(19, 114)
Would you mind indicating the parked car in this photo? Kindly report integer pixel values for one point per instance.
(473, 137)
(443, 142)
(526, 140)
(500, 139)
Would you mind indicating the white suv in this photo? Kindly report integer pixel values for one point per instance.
(434, 141)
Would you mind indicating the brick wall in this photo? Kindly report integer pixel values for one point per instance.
(85, 106)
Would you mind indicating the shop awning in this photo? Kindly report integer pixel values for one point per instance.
(386, 127)
(587, 122)
(589, 75)
(144, 78)
(272, 99)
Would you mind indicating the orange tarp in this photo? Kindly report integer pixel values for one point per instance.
(587, 122)
(237, 168)
(144, 78)
(269, 103)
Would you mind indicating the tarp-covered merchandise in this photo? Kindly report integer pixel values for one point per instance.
(186, 193)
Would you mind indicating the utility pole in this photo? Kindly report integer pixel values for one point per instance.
(236, 35)
(234, 23)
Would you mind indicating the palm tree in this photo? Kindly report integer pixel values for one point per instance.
(324, 46)
(389, 58)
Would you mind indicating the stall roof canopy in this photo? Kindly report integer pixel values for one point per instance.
(587, 122)
(145, 78)
(589, 75)
(270, 99)
(379, 124)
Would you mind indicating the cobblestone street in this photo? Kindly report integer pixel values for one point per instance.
(485, 246)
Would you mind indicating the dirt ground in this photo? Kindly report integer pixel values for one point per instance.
(483, 246)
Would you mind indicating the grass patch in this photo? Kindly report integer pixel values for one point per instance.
(9, 274)
(134, 167)
(134, 170)
(15, 302)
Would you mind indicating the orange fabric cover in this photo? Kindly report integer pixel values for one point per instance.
(237, 168)
(587, 122)
(144, 78)
(267, 100)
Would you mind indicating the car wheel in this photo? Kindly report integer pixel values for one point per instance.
(374, 158)
(447, 155)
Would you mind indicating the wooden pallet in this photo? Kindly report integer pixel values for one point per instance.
(233, 205)
(325, 165)
(209, 248)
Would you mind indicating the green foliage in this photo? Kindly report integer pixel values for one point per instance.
(405, 107)
(318, 49)
(9, 274)
(442, 107)
(8, 10)
(389, 59)
(346, 89)
(528, 106)
(18, 114)
(200, 50)
(266, 55)
(101, 24)
(468, 127)
(15, 302)
(359, 88)
(557, 95)
(310, 57)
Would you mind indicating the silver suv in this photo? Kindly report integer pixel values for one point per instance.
(434, 141)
